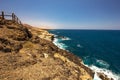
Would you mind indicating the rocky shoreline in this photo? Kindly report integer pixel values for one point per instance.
(65, 56)
(50, 37)
(27, 53)
(100, 75)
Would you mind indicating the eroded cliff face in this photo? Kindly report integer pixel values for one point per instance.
(29, 54)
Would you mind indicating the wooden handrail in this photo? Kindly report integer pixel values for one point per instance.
(14, 18)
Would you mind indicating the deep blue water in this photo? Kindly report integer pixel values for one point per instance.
(96, 47)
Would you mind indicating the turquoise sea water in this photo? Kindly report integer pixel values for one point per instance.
(99, 49)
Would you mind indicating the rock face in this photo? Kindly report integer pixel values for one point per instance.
(28, 54)
(40, 32)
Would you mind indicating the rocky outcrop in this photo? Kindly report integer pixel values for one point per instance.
(7, 45)
(11, 37)
(104, 77)
(42, 33)
(27, 53)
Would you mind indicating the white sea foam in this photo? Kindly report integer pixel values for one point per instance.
(96, 77)
(80, 46)
(59, 44)
(103, 63)
(66, 38)
(109, 73)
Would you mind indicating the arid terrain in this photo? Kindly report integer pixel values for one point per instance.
(27, 53)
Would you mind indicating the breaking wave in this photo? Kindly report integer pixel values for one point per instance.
(102, 63)
(80, 46)
(100, 66)
(109, 73)
(59, 44)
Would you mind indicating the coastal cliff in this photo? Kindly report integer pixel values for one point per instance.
(27, 53)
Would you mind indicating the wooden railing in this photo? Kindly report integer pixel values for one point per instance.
(13, 17)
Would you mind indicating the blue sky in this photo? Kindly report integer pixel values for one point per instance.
(66, 14)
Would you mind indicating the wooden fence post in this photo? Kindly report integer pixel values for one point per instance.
(17, 19)
(13, 17)
(20, 22)
(2, 15)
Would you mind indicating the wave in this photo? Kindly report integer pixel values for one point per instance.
(80, 46)
(97, 62)
(65, 38)
(101, 67)
(58, 43)
(109, 73)
(102, 63)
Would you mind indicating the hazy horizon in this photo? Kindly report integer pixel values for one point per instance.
(66, 14)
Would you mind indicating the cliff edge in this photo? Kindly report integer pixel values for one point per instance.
(27, 53)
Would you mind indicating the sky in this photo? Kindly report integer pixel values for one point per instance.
(66, 14)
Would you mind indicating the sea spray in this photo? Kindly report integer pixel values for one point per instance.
(58, 43)
(109, 73)
(96, 77)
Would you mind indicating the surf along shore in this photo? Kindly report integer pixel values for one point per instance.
(28, 53)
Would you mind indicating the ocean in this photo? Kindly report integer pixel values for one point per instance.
(99, 49)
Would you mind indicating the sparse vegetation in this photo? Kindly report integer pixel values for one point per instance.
(29, 55)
